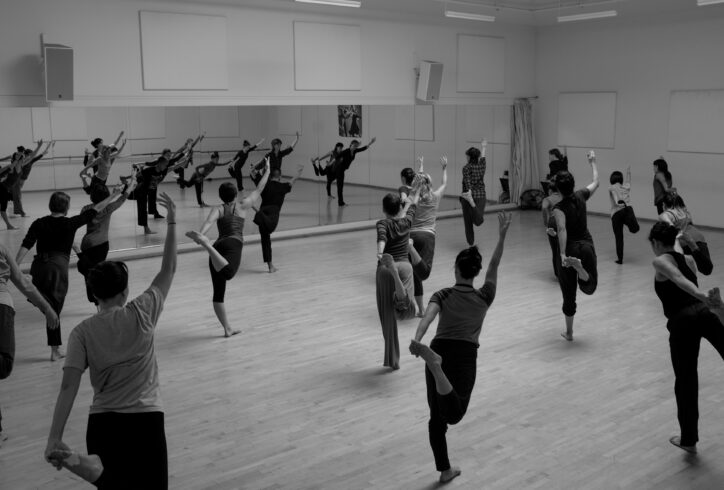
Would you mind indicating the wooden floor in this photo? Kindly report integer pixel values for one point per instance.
(300, 400)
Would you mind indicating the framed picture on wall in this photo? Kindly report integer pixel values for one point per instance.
(349, 118)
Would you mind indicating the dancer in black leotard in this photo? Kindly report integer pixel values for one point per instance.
(225, 252)
(345, 160)
(688, 310)
(200, 174)
(26, 167)
(452, 354)
(275, 157)
(330, 168)
(240, 160)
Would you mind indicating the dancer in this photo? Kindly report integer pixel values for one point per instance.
(451, 357)
(267, 218)
(473, 196)
(346, 157)
(225, 252)
(689, 319)
(422, 232)
(240, 160)
(101, 166)
(690, 240)
(393, 281)
(662, 183)
(148, 176)
(578, 256)
(94, 246)
(53, 238)
(200, 174)
(621, 211)
(557, 161)
(9, 270)
(407, 175)
(25, 169)
(10, 174)
(98, 146)
(126, 422)
(275, 158)
(330, 169)
(549, 202)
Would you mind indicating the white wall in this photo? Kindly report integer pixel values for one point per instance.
(643, 63)
(105, 38)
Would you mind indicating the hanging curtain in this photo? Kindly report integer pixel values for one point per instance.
(524, 163)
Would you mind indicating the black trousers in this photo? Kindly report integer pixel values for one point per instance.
(620, 218)
(141, 196)
(472, 216)
(267, 219)
(685, 333)
(555, 253)
(331, 172)
(152, 197)
(7, 345)
(88, 259)
(236, 173)
(340, 186)
(568, 277)
(230, 249)
(132, 448)
(50, 276)
(459, 360)
(424, 243)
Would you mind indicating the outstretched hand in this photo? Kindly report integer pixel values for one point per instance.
(591, 155)
(504, 220)
(443, 162)
(166, 201)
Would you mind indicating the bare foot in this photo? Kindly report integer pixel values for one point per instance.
(231, 332)
(567, 336)
(387, 261)
(429, 355)
(198, 237)
(468, 196)
(56, 354)
(330, 198)
(272, 269)
(11, 227)
(449, 474)
(87, 466)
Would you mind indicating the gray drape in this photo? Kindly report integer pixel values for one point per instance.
(524, 161)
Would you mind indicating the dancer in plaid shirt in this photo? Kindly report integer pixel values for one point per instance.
(473, 196)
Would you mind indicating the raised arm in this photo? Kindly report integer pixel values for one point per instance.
(168, 264)
(363, 148)
(443, 163)
(120, 137)
(249, 200)
(628, 175)
(504, 220)
(296, 140)
(592, 161)
(105, 202)
(300, 169)
(483, 147)
(35, 151)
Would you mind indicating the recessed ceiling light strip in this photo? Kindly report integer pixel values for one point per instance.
(588, 16)
(336, 3)
(453, 14)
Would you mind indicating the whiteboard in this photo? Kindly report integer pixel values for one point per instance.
(696, 121)
(415, 123)
(327, 56)
(480, 64)
(183, 51)
(587, 119)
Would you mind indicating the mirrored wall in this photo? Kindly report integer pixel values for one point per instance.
(403, 133)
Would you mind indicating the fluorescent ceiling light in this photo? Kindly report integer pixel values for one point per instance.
(468, 16)
(701, 3)
(336, 3)
(592, 15)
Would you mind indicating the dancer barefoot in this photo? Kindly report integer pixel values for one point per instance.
(225, 252)
(451, 357)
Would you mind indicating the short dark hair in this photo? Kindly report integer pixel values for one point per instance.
(672, 199)
(339, 145)
(469, 262)
(663, 232)
(565, 183)
(616, 177)
(108, 279)
(556, 153)
(408, 175)
(473, 154)
(21, 149)
(227, 192)
(246, 143)
(59, 202)
(391, 204)
(276, 141)
(98, 193)
(96, 141)
(275, 172)
(661, 165)
(215, 154)
(354, 142)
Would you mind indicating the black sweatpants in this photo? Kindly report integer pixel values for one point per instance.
(50, 277)
(685, 333)
(132, 448)
(141, 196)
(230, 249)
(459, 365)
(620, 218)
(267, 219)
(7, 345)
(331, 172)
(88, 259)
(568, 277)
(424, 243)
(472, 216)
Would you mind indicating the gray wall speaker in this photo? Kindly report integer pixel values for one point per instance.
(58, 72)
(428, 84)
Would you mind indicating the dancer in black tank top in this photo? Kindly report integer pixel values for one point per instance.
(225, 252)
(688, 310)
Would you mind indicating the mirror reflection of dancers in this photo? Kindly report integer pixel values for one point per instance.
(267, 217)
(662, 183)
(9, 176)
(451, 357)
(225, 252)
(101, 166)
(690, 318)
(407, 175)
(394, 287)
(549, 225)
(330, 168)
(117, 346)
(52, 236)
(578, 256)
(557, 161)
(690, 240)
(275, 157)
(94, 246)
(188, 150)
(9, 271)
(240, 160)
(26, 168)
(345, 160)
(98, 146)
(148, 176)
(472, 199)
(621, 211)
(200, 174)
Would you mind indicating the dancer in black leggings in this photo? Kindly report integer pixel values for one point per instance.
(240, 160)
(330, 168)
(25, 169)
(549, 224)
(451, 357)
(267, 218)
(200, 174)
(149, 175)
(662, 183)
(225, 252)
(345, 160)
(473, 196)
(690, 241)
(690, 318)
(578, 256)
(275, 156)
(621, 211)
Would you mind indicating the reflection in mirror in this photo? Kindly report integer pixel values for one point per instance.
(400, 134)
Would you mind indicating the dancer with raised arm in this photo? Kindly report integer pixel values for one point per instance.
(9, 270)
(473, 198)
(690, 240)
(346, 157)
(126, 434)
(578, 256)
(557, 161)
(240, 160)
(451, 357)
(98, 145)
(187, 150)
(10, 174)
(53, 238)
(200, 174)
(275, 156)
(621, 211)
(330, 167)
(25, 169)
(149, 175)
(662, 183)
(690, 318)
(549, 202)
(225, 252)
(272, 199)
(101, 166)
